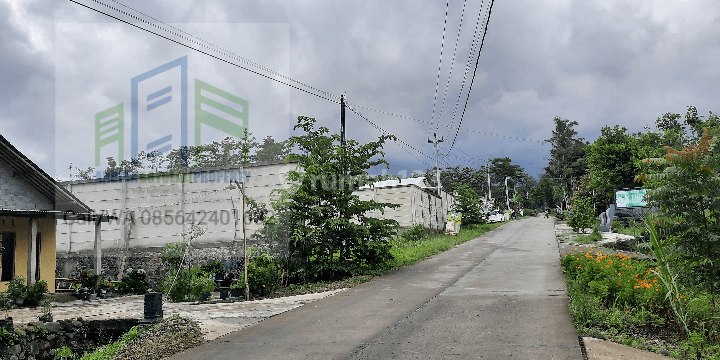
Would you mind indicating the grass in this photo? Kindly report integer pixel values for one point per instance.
(411, 246)
(409, 252)
(590, 238)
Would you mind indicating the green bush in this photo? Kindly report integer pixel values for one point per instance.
(36, 292)
(264, 275)
(583, 215)
(467, 202)
(172, 253)
(189, 285)
(213, 267)
(16, 288)
(135, 282)
(413, 234)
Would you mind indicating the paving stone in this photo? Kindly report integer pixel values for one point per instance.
(216, 319)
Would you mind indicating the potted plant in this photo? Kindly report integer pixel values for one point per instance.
(77, 294)
(224, 293)
(237, 289)
(201, 286)
(46, 314)
(17, 290)
(216, 267)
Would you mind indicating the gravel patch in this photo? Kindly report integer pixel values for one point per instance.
(170, 337)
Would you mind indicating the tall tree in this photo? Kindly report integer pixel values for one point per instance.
(566, 164)
(320, 219)
(271, 150)
(612, 163)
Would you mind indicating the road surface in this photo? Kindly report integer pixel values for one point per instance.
(499, 296)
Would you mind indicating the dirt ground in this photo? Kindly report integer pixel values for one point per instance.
(598, 349)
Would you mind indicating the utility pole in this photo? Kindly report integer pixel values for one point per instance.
(245, 248)
(507, 193)
(342, 119)
(437, 165)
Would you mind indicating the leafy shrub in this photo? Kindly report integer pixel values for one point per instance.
(16, 288)
(213, 267)
(263, 275)
(36, 292)
(89, 280)
(187, 284)
(467, 202)
(615, 279)
(135, 282)
(200, 285)
(8, 338)
(413, 234)
(172, 253)
(583, 215)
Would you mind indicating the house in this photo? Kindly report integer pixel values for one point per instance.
(30, 203)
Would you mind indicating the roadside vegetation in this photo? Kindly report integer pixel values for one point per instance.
(661, 292)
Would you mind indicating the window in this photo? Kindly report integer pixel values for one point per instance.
(7, 264)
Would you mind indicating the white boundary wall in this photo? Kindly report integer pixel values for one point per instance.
(417, 205)
(158, 209)
(162, 207)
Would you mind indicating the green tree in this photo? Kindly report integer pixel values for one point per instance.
(567, 163)
(329, 231)
(612, 164)
(686, 187)
(271, 150)
(583, 215)
(500, 169)
(467, 202)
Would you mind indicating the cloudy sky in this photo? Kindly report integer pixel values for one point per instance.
(600, 63)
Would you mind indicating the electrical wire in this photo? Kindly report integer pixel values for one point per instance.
(468, 64)
(221, 50)
(427, 122)
(190, 47)
(452, 65)
(397, 140)
(492, 2)
(437, 83)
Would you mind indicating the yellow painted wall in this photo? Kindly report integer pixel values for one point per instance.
(21, 228)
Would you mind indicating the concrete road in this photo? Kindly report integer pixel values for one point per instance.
(500, 296)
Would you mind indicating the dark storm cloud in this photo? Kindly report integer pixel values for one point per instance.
(597, 62)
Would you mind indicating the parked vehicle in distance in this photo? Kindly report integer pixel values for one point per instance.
(494, 216)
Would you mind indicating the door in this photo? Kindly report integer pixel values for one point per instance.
(7, 264)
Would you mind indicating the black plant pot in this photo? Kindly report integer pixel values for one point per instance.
(237, 292)
(7, 323)
(205, 296)
(224, 293)
(78, 296)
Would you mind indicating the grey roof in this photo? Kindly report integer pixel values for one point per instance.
(23, 167)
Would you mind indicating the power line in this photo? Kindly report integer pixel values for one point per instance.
(427, 122)
(397, 140)
(492, 2)
(193, 48)
(452, 64)
(468, 64)
(220, 49)
(437, 83)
